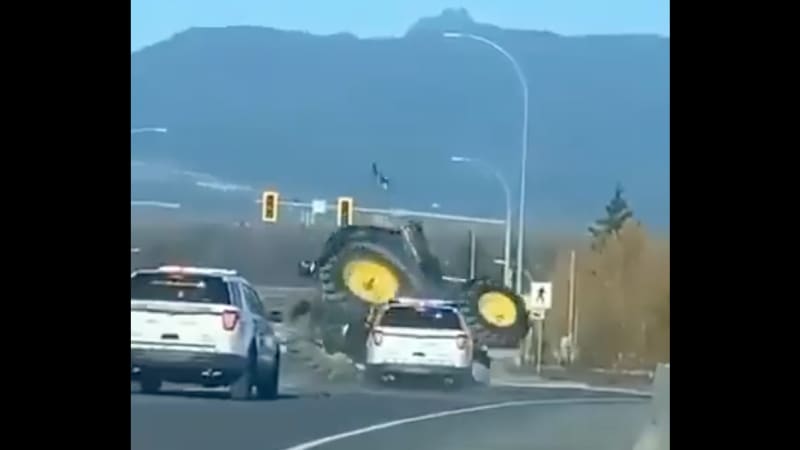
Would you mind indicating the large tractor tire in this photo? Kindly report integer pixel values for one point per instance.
(359, 276)
(367, 274)
(496, 315)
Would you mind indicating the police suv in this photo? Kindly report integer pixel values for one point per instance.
(201, 326)
(419, 337)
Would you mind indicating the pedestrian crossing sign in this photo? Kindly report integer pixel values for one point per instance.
(540, 297)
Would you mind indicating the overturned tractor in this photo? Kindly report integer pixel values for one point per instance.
(362, 267)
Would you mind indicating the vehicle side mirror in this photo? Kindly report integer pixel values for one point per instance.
(275, 316)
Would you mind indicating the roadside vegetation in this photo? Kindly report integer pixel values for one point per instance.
(621, 293)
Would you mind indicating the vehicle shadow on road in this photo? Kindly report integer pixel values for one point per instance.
(422, 384)
(206, 394)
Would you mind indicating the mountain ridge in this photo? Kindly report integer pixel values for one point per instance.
(450, 19)
(241, 100)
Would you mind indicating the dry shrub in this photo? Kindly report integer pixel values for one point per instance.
(622, 300)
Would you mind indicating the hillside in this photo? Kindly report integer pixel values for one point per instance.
(309, 114)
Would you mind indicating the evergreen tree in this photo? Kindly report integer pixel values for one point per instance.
(617, 213)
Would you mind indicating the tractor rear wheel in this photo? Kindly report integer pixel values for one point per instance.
(360, 276)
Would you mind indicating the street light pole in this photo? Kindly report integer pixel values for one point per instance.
(507, 191)
(524, 162)
(148, 130)
(155, 204)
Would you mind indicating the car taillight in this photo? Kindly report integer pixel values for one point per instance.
(461, 342)
(377, 337)
(229, 320)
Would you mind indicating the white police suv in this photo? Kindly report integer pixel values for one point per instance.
(419, 337)
(201, 326)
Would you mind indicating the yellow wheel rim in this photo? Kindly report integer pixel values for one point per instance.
(498, 309)
(371, 281)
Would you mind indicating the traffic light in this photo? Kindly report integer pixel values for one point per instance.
(269, 206)
(344, 211)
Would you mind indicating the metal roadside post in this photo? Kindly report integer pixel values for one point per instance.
(526, 343)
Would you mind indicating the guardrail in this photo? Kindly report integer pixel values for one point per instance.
(655, 436)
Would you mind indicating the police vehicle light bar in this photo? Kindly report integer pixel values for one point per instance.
(425, 302)
(197, 270)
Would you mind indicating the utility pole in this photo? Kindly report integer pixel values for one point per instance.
(571, 319)
(472, 254)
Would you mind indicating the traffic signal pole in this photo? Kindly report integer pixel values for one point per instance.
(397, 212)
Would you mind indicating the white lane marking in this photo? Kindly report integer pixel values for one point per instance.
(573, 385)
(381, 426)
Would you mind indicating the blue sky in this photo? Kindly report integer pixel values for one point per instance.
(156, 20)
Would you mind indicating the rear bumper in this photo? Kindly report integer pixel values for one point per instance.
(187, 366)
(419, 369)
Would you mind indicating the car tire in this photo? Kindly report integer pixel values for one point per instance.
(242, 388)
(267, 385)
(150, 384)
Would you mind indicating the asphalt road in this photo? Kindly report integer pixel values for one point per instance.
(313, 413)
(310, 410)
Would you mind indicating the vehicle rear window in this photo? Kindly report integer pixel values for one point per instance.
(176, 287)
(431, 318)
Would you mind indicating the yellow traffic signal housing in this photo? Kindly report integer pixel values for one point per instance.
(269, 206)
(344, 211)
